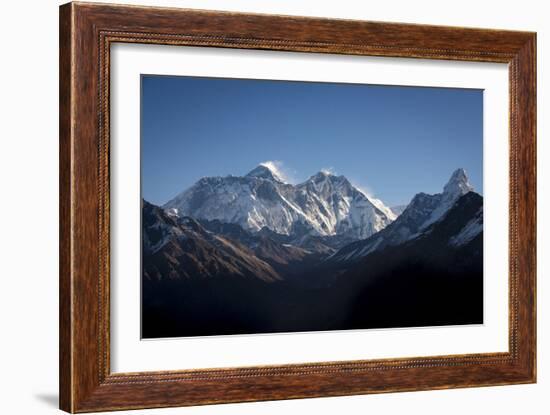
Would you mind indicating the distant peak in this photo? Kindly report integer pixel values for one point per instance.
(267, 170)
(324, 174)
(459, 174)
(458, 184)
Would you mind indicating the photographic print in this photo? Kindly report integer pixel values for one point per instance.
(285, 206)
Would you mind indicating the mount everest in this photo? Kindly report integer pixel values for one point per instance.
(323, 205)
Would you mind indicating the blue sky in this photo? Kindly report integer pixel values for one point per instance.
(391, 141)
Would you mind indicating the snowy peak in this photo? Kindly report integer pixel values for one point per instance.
(458, 184)
(268, 171)
(326, 182)
(322, 175)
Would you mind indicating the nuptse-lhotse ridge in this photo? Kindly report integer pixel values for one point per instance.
(323, 235)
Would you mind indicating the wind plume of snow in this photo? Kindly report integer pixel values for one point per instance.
(363, 188)
(279, 170)
(328, 170)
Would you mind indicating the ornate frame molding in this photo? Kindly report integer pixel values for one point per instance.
(86, 33)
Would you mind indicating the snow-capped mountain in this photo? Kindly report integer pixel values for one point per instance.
(457, 186)
(266, 171)
(323, 205)
(423, 211)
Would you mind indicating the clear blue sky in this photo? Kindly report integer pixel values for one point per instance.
(392, 141)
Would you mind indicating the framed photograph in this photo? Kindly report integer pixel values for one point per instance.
(258, 207)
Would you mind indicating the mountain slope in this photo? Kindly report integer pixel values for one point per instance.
(180, 248)
(398, 209)
(433, 279)
(324, 205)
(269, 247)
(423, 211)
(425, 281)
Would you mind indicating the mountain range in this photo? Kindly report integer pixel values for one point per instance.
(423, 211)
(252, 254)
(323, 205)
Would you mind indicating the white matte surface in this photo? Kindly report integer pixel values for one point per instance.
(129, 353)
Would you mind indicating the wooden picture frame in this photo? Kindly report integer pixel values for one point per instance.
(86, 33)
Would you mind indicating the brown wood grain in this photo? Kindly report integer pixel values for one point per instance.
(65, 247)
(86, 33)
